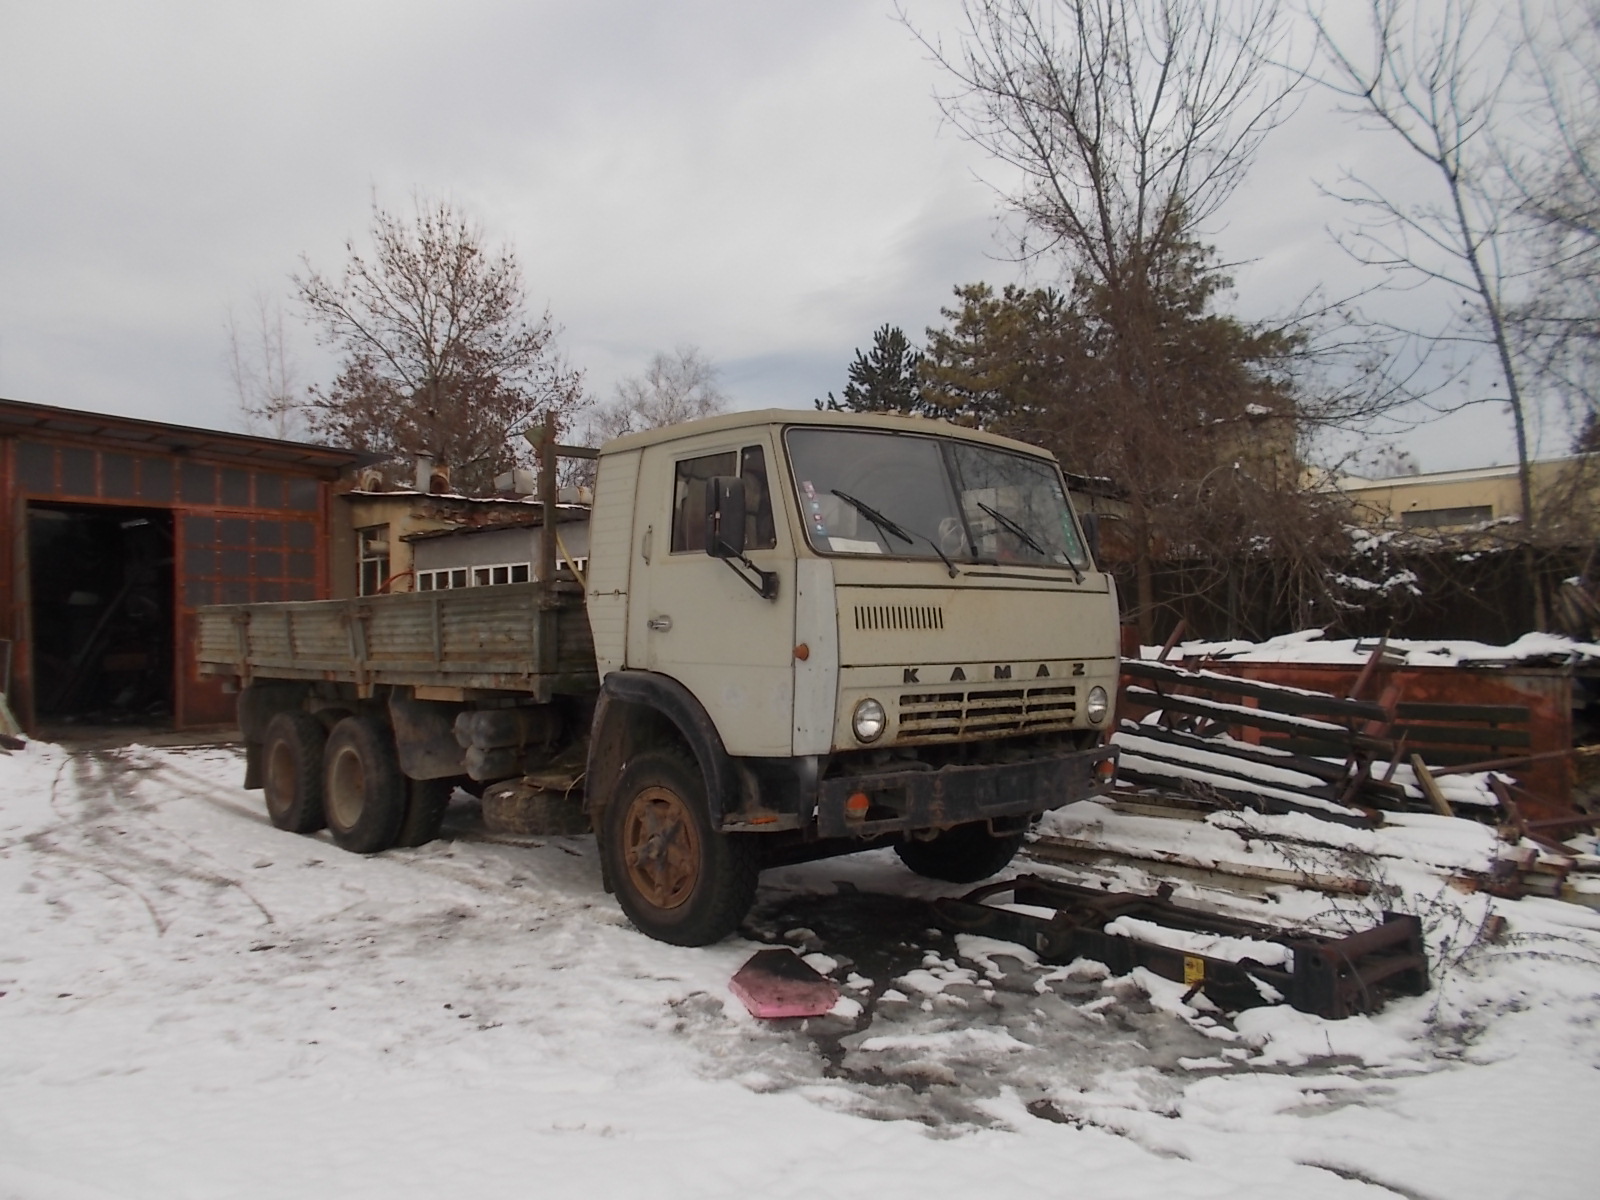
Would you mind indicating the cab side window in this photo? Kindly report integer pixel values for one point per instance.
(689, 499)
(760, 531)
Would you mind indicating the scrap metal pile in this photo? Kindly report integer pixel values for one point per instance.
(1245, 750)
(1493, 745)
(1235, 963)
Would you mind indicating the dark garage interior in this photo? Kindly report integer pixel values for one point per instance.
(102, 609)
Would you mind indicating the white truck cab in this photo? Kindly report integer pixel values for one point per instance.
(863, 629)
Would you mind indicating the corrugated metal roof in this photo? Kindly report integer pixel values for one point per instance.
(132, 433)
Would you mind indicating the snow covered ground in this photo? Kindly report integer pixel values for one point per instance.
(1310, 646)
(193, 1004)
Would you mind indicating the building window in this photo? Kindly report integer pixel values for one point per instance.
(486, 576)
(1444, 518)
(36, 467)
(373, 547)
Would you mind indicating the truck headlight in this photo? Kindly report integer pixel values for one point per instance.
(1097, 705)
(869, 720)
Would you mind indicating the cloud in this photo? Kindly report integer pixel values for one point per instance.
(770, 182)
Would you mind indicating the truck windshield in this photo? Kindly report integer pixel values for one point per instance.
(911, 496)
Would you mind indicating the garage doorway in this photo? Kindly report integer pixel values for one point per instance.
(102, 619)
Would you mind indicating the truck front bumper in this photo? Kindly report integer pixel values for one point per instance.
(903, 801)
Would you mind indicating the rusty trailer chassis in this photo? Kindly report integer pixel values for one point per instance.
(1329, 977)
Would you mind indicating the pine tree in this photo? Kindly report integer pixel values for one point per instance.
(882, 380)
(1196, 415)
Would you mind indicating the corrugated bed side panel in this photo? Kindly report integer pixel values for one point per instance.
(216, 640)
(400, 629)
(575, 643)
(269, 635)
(492, 624)
(320, 631)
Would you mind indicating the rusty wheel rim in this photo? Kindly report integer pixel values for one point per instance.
(280, 779)
(661, 847)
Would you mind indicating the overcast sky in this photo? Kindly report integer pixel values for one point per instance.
(769, 180)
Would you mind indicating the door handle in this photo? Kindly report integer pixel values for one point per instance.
(660, 624)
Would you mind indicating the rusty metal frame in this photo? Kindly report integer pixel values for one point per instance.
(1331, 977)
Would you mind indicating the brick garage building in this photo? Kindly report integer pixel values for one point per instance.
(113, 530)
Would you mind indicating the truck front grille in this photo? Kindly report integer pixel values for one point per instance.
(968, 713)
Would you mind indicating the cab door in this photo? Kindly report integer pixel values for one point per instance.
(696, 618)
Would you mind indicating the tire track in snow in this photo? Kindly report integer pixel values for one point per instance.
(460, 856)
(44, 843)
(204, 788)
(1362, 1177)
(107, 826)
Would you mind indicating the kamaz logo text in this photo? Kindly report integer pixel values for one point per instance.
(1000, 671)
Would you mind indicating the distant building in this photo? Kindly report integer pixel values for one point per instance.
(408, 540)
(1473, 503)
(504, 553)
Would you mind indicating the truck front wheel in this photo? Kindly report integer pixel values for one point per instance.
(964, 854)
(678, 879)
(363, 792)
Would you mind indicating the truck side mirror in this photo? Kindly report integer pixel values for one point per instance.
(1091, 533)
(725, 516)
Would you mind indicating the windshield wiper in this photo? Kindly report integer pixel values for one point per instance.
(888, 527)
(1012, 525)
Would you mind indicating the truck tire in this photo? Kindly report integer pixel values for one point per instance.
(291, 771)
(678, 879)
(426, 800)
(363, 791)
(964, 854)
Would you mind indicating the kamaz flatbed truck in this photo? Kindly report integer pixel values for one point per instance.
(799, 634)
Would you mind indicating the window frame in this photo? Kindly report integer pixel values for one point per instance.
(761, 517)
(444, 579)
(945, 448)
(372, 567)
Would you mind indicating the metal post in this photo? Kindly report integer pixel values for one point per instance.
(547, 497)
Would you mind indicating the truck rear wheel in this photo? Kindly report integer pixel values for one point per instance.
(426, 800)
(363, 791)
(291, 771)
(678, 879)
(964, 854)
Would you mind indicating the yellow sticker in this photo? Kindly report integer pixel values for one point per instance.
(1194, 970)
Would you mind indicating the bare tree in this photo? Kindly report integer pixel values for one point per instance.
(1440, 79)
(1129, 122)
(1127, 125)
(440, 354)
(1558, 184)
(676, 387)
(1384, 462)
(266, 377)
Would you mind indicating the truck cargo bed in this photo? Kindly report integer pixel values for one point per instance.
(519, 637)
